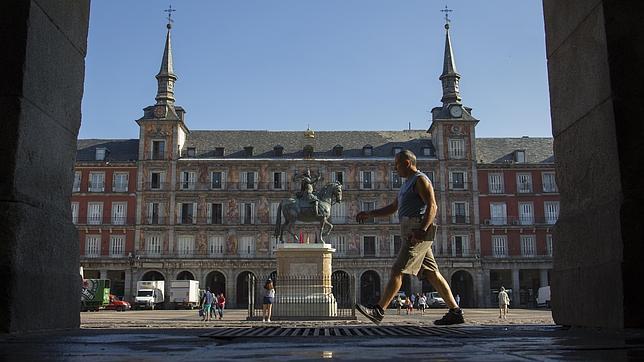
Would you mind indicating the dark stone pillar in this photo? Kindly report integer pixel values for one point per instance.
(595, 54)
(43, 67)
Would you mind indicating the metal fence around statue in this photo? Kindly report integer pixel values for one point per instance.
(304, 297)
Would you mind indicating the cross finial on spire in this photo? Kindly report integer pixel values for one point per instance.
(169, 10)
(447, 11)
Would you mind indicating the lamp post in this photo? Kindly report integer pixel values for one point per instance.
(132, 259)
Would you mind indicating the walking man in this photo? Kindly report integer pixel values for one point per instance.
(504, 300)
(417, 208)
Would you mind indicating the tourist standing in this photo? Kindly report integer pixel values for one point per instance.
(504, 301)
(269, 296)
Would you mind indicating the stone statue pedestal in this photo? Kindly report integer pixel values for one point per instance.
(303, 287)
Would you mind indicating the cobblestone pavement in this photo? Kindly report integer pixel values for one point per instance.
(527, 335)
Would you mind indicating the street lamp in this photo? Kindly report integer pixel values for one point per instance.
(132, 259)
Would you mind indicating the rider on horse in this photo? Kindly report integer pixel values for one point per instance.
(306, 190)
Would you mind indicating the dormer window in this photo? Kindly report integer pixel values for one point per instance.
(308, 151)
(219, 151)
(278, 150)
(397, 150)
(249, 151)
(427, 151)
(337, 150)
(367, 151)
(100, 153)
(519, 156)
(192, 152)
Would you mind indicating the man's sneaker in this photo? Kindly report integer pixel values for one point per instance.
(453, 316)
(373, 312)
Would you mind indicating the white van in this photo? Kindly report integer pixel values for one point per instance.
(543, 297)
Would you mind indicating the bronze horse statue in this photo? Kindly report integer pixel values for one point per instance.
(297, 209)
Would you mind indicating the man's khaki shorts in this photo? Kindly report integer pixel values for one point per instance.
(415, 259)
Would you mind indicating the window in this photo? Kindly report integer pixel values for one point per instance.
(430, 175)
(217, 180)
(460, 245)
(498, 213)
(95, 213)
(93, 245)
(427, 151)
(77, 181)
(215, 213)
(188, 180)
(278, 150)
(337, 150)
(457, 148)
(495, 183)
(158, 150)
(367, 151)
(337, 176)
(156, 180)
(100, 154)
(524, 182)
(549, 245)
(153, 245)
(397, 150)
(519, 156)
(119, 213)
(96, 181)
(396, 244)
(366, 180)
(396, 181)
(459, 213)
(279, 180)
(499, 245)
(119, 182)
(219, 151)
(457, 180)
(117, 245)
(528, 245)
(216, 245)
(549, 182)
(338, 213)
(273, 212)
(192, 152)
(246, 246)
(339, 242)
(369, 206)
(187, 213)
(526, 216)
(551, 210)
(247, 213)
(248, 180)
(185, 245)
(75, 212)
(369, 246)
(155, 215)
(248, 150)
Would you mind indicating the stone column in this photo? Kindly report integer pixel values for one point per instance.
(516, 287)
(43, 65)
(595, 53)
(486, 285)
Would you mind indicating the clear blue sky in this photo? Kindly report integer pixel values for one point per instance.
(333, 64)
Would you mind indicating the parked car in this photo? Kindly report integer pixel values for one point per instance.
(434, 300)
(394, 302)
(117, 304)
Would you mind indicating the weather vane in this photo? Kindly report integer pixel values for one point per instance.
(169, 10)
(447, 11)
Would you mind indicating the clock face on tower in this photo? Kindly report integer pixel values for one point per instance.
(159, 111)
(456, 111)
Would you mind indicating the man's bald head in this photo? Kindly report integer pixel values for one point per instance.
(407, 155)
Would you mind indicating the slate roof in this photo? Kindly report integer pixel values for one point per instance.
(119, 150)
(293, 143)
(501, 150)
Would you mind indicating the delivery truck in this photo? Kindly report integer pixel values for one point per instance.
(184, 294)
(149, 294)
(95, 294)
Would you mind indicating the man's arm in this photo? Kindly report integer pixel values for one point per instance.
(383, 211)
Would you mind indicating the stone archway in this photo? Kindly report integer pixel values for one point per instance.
(463, 285)
(153, 275)
(369, 287)
(216, 281)
(185, 275)
(242, 288)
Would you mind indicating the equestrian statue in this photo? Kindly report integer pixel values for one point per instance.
(308, 206)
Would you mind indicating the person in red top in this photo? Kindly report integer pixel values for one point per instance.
(221, 304)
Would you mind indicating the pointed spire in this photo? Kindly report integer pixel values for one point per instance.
(166, 76)
(450, 77)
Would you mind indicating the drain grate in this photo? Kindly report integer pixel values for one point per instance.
(371, 331)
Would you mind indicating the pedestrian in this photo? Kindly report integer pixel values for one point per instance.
(206, 303)
(413, 300)
(422, 303)
(221, 304)
(269, 296)
(417, 208)
(399, 303)
(458, 300)
(504, 301)
(410, 306)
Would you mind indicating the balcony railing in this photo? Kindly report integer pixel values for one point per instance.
(518, 221)
(460, 219)
(103, 220)
(96, 186)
